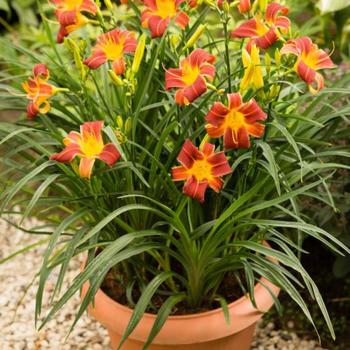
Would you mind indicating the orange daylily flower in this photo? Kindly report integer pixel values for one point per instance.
(39, 91)
(191, 77)
(69, 15)
(88, 145)
(236, 122)
(200, 169)
(112, 46)
(159, 13)
(264, 32)
(310, 59)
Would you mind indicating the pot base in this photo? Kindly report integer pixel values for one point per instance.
(238, 341)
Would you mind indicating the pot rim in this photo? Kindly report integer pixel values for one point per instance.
(243, 299)
(186, 329)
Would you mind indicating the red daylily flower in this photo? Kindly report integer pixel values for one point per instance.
(191, 77)
(236, 122)
(112, 46)
(69, 15)
(310, 59)
(264, 32)
(88, 145)
(38, 91)
(159, 13)
(200, 169)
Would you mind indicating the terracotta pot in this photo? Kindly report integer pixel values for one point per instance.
(202, 331)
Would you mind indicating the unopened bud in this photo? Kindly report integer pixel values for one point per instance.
(128, 125)
(278, 57)
(226, 7)
(204, 141)
(193, 39)
(174, 40)
(274, 91)
(109, 5)
(262, 5)
(114, 77)
(120, 122)
(139, 53)
(74, 49)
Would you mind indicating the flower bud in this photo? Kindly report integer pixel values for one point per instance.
(193, 39)
(204, 141)
(74, 49)
(109, 5)
(128, 125)
(278, 57)
(115, 79)
(174, 40)
(139, 53)
(262, 5)
(226, 7)
(274, 91)
(120, 122)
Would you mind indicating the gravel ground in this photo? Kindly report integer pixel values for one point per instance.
(18, 329)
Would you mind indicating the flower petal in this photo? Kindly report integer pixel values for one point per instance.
(195, 189)
(119, 66)
(92, 128)
(182, 20)
(85, 167)
(216, 184)
(247, 29)
(110, 154)
(173, 78)
(68, 154)
(40, 69)
(179, 173)
(188, 154)
(96, 59)
(216, 113)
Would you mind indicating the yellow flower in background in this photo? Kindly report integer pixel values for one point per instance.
(253, 76)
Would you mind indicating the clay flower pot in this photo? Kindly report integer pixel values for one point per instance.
(202, 331)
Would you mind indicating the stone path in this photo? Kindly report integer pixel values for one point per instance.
(17, 329)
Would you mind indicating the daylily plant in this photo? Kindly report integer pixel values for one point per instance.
(179, 147)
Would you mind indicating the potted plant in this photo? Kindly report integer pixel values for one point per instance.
(171, 147)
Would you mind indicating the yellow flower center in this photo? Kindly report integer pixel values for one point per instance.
(113, 50)
(72, 4)
(201, 170)
(261, 28)
(310, 59)
(90, 146)
(189, 74)
(166, 8)
(234, 120)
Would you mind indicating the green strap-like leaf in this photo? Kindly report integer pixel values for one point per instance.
(162, 316)
(143, 303)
